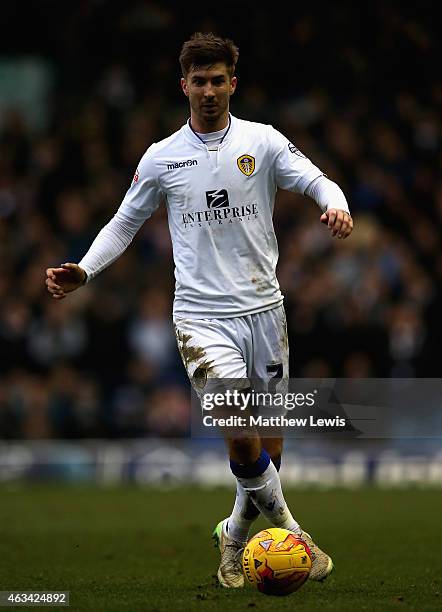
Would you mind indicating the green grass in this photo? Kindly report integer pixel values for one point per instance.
(146, 549)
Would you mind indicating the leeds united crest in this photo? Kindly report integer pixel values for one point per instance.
(246, 163)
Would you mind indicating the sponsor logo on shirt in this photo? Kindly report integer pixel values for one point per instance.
(295, 150)
(136, 176)
(217, 198)
(246, 163)
(219, 211)
(182, 164)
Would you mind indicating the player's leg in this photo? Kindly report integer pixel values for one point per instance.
(271, 348)
(258, 477)
(232, 533)
(274, 447)
(245, 454)
(257, 491)
(211, 351)
(255, 462)
(245, 512)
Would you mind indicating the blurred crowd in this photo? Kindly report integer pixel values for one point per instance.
(354, 87)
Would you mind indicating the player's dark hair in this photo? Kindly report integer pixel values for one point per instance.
(206, 50)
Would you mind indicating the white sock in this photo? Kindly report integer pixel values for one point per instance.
(266, 492)
(239, 522)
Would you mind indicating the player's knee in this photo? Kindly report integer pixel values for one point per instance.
(245, 449)
(273, 446)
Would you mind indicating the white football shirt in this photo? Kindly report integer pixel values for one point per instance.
(220, 207)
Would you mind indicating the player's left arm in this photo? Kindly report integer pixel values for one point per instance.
(338, 221)
(331, 200)
(293, 171)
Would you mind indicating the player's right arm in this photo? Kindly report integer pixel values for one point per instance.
(61, 281)
(141, 200)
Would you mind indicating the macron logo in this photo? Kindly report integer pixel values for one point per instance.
(182, 164)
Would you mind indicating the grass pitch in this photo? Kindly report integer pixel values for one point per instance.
(143, 549)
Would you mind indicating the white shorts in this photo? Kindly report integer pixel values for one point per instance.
(252, 349)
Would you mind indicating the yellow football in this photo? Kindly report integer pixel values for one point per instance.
(277, 561)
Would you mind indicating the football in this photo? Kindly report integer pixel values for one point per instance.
(277, 561)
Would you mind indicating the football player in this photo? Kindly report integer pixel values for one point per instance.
(218, 176)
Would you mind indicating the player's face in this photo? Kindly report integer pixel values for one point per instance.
(209, 89)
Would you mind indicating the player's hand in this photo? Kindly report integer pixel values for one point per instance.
(63, 280)
(339, 222)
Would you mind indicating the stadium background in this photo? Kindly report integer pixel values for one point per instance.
(92, 390)
(85, 88)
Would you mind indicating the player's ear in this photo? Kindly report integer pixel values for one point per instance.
(184, 87)
(233, 84)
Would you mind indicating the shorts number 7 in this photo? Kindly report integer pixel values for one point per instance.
(277, 368)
